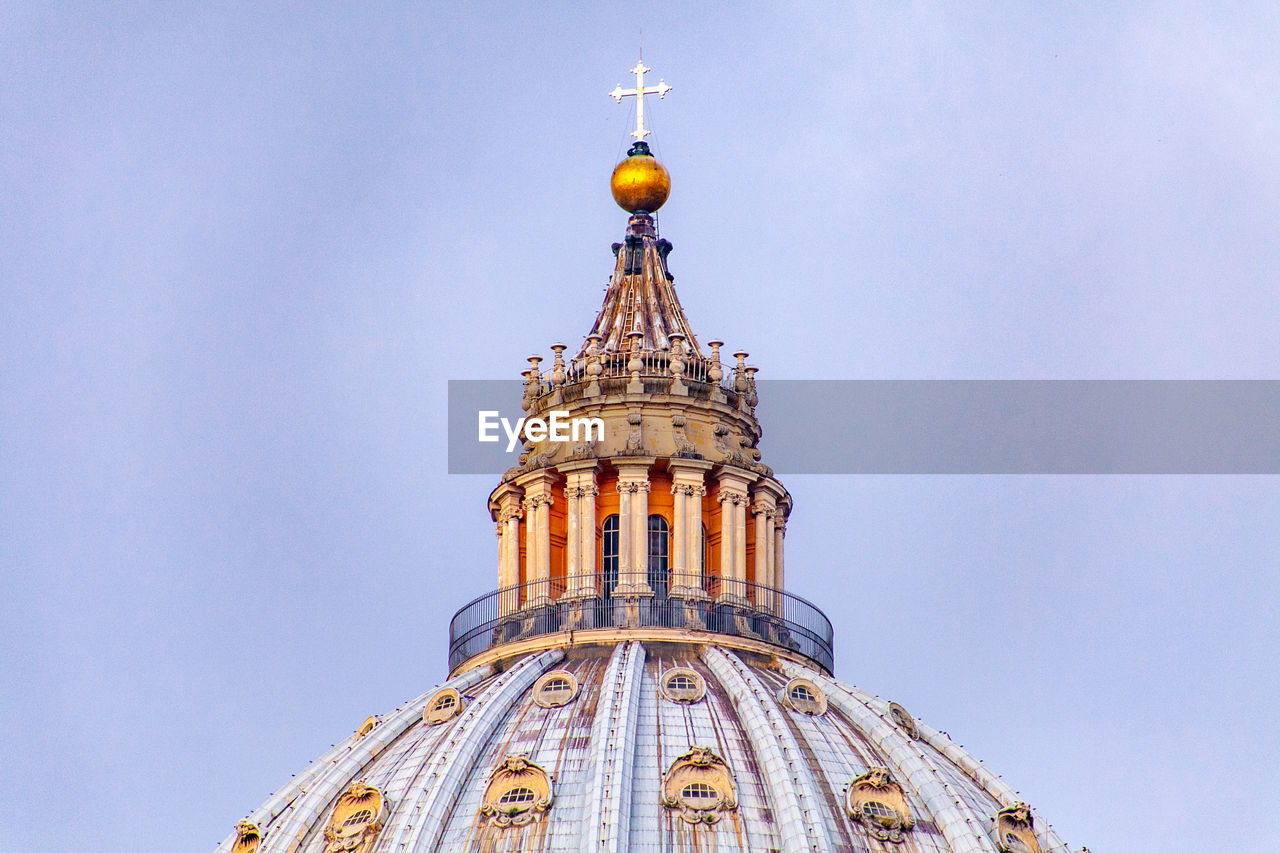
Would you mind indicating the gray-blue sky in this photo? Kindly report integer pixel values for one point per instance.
(244, 247)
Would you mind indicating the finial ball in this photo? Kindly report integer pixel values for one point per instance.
(640, 184)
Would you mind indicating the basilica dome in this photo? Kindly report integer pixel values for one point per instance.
(640, 679)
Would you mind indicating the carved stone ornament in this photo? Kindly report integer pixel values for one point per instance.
(876, 801)
(357, 818)
(518, 793)
(684, 685)
(556, 688)
(444, 705)
(366, 727)
(904, 720)
(804, 696)
(699, 787)
(248, 838)
(1015, 830)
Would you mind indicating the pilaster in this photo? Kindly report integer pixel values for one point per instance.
(580, 493)
(633, 517)
(732, 495)
(537, 506)
(689, 487)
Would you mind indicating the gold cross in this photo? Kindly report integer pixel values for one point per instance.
(639, 92)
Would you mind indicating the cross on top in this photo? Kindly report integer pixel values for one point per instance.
(639, 92)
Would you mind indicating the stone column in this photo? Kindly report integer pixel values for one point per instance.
(506, 509)
(633, 518)
(779, 533)
(733, 535)
(537, 507)
(765, 507)
(580, 546)
(688, 486)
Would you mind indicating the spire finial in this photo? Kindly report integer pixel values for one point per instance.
(639, 92)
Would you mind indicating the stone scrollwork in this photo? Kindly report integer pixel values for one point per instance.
(248, 838)
(1015, 830)
(904, 720)
(444, 705)
(680, 434)
(357, 818)
(519, 792)
(876, 801)
(699, 787)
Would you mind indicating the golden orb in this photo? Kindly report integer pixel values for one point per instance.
(640, 184)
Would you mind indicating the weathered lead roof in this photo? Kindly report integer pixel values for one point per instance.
(641, 296)
(606, 752)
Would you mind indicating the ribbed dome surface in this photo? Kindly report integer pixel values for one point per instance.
(781, 779)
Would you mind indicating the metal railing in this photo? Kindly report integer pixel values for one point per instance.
(718, 606)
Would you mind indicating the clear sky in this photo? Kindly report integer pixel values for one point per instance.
(243, 246)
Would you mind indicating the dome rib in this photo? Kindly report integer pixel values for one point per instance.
(945, 809)
(471, 733)
(331, 774)
(613, 748)
(793, 792)
(991, 783)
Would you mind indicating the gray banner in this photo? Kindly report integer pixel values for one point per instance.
(965, 426)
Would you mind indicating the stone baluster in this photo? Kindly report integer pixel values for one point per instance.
(676, 366)
(635, 364)
(593, 366)
(715, 372)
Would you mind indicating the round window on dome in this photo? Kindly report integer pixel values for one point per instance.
(683, 685)
(804, 696)
(555, 689)
(518, 793)
(443, 706)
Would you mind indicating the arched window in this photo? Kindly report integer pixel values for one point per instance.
(517, 797)
(659, 555)
(610, 563)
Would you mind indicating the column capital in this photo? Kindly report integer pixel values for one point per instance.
(509, 513)
(633, 487)
(503, 499)
(534, 501)
(689, 489)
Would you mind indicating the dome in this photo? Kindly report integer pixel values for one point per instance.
(645, 745)
(640, 184)
(641, 679)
